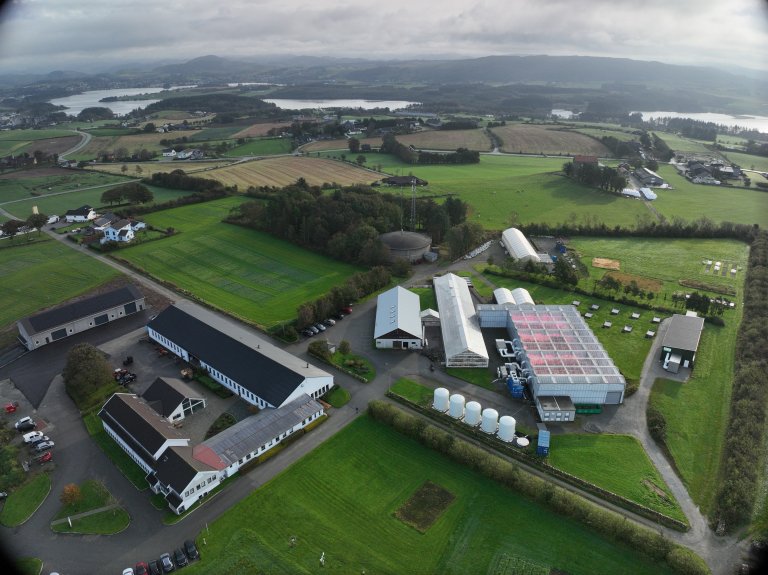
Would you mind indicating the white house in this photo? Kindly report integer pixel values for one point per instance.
(259, 372)
(81, 214)
(398, 320)
(169, 153)
(119, 231)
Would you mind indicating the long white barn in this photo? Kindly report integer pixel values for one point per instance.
(462, 338)
(254, 369)
(518, 245)
(398, 320)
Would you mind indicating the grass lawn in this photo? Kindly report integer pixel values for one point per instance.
(28, 566)
(248, 273)
(32, 135)
(27, 184)
(337, 397)
(61, 269)
(94, 496)
(413, 391)
(691, 201)
(23, 501)
(373, 471)
(262, 147)
(666, 261)
(681, 144)
(427, 299)
(120, 458)
(697, 411)
(627, 350)
(481, 376)
(750, 162)
(355, 363)
(617, 463)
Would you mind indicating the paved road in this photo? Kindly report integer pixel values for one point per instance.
(86, 138)
(78, 458)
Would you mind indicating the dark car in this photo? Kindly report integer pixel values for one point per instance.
(191, 550)
(307, 332)
(180, 558)
(141, 568)
(155, 568)
(166, 563)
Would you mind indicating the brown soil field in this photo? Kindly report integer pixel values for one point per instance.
(149, 168)
(605, 263)
(448, 141)
(532, 139)
(286, 170)
(647, 284)
(52, 145)
(258, 130)
(98, 145)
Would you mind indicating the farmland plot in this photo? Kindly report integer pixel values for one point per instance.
(447, 140)
(534, 139)
(258, 130)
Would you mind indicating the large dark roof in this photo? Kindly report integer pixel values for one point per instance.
(176, 467)
(81, 211)
(256, 372)
(79, 309)
(403, 240)
(684, 332)
(165, 394)
(133, 416)
(404, 181)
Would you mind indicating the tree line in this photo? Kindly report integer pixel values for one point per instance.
(409, 155)
(133, 192)
(602, 177)
(179, 180)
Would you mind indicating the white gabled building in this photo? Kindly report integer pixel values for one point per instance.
(518, 246)
(81, 214)
(398, 320)
(259, 372)
(462, 338)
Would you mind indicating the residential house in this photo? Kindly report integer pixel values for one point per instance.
(81, 214)
(119, 231)
(169, 153)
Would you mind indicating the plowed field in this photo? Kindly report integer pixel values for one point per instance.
(447, 140)
(530, 139)
(259, 129)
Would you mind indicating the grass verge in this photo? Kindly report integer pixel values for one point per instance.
(413, 391)
(22, 503)
(337, 397)
(480, 376)
(28, 566)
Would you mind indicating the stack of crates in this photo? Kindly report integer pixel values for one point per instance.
(542, 446)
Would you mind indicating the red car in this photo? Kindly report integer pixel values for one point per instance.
(141, 568)
(347, 310)
(45, 457)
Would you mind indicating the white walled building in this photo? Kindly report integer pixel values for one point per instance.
(398, 320)
(518, 245)
(254, 369)
(173, 399)
(462, 339)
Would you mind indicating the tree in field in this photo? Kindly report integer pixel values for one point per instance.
(138, 194)
(305, 315)
(354, 145)
(112, 196)
(138, 170)
(462, 238)
(457, 210)
(37, 221)
(123, 168)
(564, 273)
(149, 127)
(10, 227)
(360, 160)
(71, 494)
(85, 372)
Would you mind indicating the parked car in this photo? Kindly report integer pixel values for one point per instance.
(25, 424)
(155, 568)
(166, 563)
(43, 445)
(180, 558)
(313, 329)
(307, 332)
(339, 316)
(320, 326)
(329, 322)
(3, 495)
(40, 439)
(32, 436)
(128, 571)
(127, 378)
(141, 568)
(44, 458)
(191, 550)
(347, 310)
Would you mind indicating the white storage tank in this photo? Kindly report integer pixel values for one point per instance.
(472, 413)
(457, 406)
(490, 420)
(521, 442)
(507, 428)
(440, 402)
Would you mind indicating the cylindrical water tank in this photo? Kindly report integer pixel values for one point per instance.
(457, 406)
(441, 399)
(472, 413)
(490, 420)
(521, 442)
(507, 428)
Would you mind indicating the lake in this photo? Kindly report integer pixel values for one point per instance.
(289, 104)
(78, 102)
(759, 123)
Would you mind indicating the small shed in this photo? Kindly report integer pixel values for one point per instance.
(173, 399)
(678, 348)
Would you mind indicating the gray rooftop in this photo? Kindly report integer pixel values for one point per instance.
(684, 332)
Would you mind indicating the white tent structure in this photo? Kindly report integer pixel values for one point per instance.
(398, 320)
(518, 245)
(462, 339)
(504, 296)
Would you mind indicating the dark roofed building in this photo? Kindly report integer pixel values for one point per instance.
(681, 342)
(182, 479)
(66, 320)
(81, 214)
(173, 399)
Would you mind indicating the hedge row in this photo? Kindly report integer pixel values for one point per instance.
(538, 463)
(610, 525)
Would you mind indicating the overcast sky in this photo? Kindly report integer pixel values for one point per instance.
(89, 35)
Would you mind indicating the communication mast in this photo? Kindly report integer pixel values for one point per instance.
(413, 204)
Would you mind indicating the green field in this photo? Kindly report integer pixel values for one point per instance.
(413, 391)
(749, 162)
(24, 500)
(627, 350)
(691, 201)
(28, 566)
(32, 135)
(665, 261)
(94, 496)
(222, 133)
(24, 184)
(248, 273)
(624, 135)
(681, 144)
(262, 147)
(45, 273)
(617, 463)
(340, 500)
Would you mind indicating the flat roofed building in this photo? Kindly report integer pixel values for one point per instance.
(555, 408)
(398, 320)
(259, 372)
(172, 398)
(66, 320)
(462, 338)
(518, 245)
(680, 343)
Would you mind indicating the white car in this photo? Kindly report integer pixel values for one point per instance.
(25, 422)
(32, 436)
(44, 445)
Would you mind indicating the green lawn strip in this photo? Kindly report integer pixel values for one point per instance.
(28, 566)
(248, 273)
(262, 147)
(696, 412)
(375, 471)
(337, 397)
(31, 135)
(23, 501)
(617, 463)
(627, 350)
(479, 285)
(479, 376)
(120, 458)
(208, 134)
(413, 391)
(93, 495)
(691, 201)
(357, 364)
(651, 258)
(106, 522)
(427, 299)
